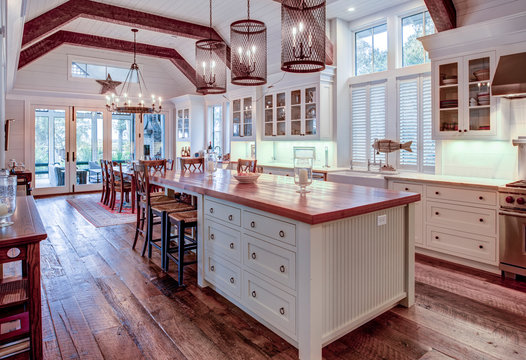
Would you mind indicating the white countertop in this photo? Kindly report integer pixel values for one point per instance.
(453, 180)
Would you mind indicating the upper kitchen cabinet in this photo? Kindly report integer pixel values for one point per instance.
(190, 120)
(302, 112)
(243, 119)
(183, 124)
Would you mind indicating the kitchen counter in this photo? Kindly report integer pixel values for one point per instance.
(312, 267)
(451, 180)
(290, 166)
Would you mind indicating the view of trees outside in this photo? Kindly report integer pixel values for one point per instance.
(41, 145)
(371, 50)
(89, 140)
(122, 137)
(154, 135)
(217, 138)
(413, 27)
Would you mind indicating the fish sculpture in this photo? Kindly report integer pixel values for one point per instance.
(388, 146)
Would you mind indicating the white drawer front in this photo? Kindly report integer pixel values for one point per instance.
(228, 214)
(409, 187)
(481, 197)
(273, 261)
(270, 303)
(223, 240)
(464, 218)
(469, 246)
(279, 230)
(224, 275)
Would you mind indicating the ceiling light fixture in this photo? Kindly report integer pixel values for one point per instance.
(351, 9)
(303, 35)
(210, 55)
(248, 58)
(134, 98)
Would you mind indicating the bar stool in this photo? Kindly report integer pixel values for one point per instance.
(184, 221)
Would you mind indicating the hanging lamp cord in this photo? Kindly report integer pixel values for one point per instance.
(210, 19)
(248, 9)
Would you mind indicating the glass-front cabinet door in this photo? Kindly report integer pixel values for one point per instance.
(295, 113)
(275, 123)
(448, 97)
(243, 121)
(269, 116)
(311, 113)
(183, 124)
(281, 114)
(247, 117)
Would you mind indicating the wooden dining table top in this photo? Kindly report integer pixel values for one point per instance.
(276, 194)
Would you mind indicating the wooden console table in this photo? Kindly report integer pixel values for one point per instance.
(20, 295)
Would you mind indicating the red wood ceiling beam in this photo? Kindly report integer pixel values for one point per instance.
(329, 47)
(53, 41)
(59, 16)
(443, 14)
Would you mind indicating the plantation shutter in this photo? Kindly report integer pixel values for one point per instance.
(428, 151)
(377, 117)
(408, 116)
(359, 124)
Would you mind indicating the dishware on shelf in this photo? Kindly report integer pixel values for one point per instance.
(246, 178)
(482, 74)
(303, 173)
(7, 198)
(449, 81)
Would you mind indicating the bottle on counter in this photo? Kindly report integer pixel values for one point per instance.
(209, 149)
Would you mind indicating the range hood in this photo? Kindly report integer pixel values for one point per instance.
(510, 77)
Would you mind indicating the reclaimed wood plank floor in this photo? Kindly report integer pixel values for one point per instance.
(102, 300)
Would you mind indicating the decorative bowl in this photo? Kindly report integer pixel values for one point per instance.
(246, 178)
(449, 81)
(482, 74)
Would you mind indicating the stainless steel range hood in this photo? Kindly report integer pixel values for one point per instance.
(510, 77)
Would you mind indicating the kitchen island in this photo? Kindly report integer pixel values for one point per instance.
(309, 267)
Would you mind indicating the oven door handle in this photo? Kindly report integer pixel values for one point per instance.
(512, 213)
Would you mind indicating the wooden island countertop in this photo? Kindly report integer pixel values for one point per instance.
(275, 194)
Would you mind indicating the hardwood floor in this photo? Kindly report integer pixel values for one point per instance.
(101, 300)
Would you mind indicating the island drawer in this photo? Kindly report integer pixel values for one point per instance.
(270, 303)
(481, 197)
(224, 275)
(276, 229)
(462, 218)
(273, 261)
(469, 246)
(409, 187)
(226, 213)
(223, 240)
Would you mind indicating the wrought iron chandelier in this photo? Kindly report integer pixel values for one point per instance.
(131, 100)
(303, 35)
(210, 55)
(248, 58)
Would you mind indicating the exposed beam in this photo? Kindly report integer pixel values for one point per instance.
(443, 14)
(59, 16)
(53, 41)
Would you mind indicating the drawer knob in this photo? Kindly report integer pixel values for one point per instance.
(254, 293)
(252, 224)
(211, 210)
(437, 193)
(212, 268)
(481, 246)
(282, 268)
(231, 245)
(230, 217)
(13, 253)
(436, 237)
(406, 189)
(281, 233)
(212, 236)
(253, 255)
(481, 220)
(437, 213)
(232, 280)
(282, 311)
(481, 197)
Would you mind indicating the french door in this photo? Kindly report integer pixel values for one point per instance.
(69, 144)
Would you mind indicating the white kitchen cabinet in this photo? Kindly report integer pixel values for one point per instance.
(183, 124)
(463, 107)
(243, 119)
(275, 124)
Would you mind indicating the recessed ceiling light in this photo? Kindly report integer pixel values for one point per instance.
(351, 9)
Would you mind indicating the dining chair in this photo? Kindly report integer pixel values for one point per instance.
(118, 184)
(192, 164)
(170, 164)
(105, 183)
(246, 165)
(106, 170)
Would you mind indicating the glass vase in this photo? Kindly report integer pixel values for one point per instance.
(303, 173)
(210, 164)
(7, 199)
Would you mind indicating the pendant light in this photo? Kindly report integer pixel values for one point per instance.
(210, 55)
(303, 35)
(248, 58)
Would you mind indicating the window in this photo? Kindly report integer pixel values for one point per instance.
(153, 136)
(413, 27)
(415, 123)
(217, 127)
(93, 71)
(371, 50)
(122, 137)
(368, 122)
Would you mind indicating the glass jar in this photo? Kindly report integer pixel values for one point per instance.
(210, 163)
(303, 173)
(7, 198)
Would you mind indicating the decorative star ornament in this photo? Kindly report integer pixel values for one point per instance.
(108, 84)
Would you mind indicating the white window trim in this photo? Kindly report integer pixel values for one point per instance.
(94, 61)
(400, 44)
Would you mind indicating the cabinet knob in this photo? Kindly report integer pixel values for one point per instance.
(230, 217)
(252, 224)
(406, 189)
(254, 293)
(253, 255)
(481, 220)
(481, 197)
(281, 233)
(211, 210)
(231, 245)
(282, 268)
(436, 237)
(437, 213)
(481, 246)
(282, 311)
(465, 130)
(460, 131)
(232, 280)
(212, 268)
(437, 193)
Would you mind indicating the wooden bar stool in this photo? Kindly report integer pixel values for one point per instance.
(184, 221)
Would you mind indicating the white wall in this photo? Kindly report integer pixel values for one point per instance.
(17, 149)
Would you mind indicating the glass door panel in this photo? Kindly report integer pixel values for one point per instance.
(269, 115)
(310, 111)
(89, 147)
(153, 136)
(51, 142)
(479, 94)
(281, 119)
(122, 137)
(247, 117)
(449, 97)
(186, 124)
(295, 112)
(179, 124)
(236, 118)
